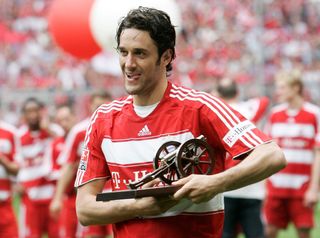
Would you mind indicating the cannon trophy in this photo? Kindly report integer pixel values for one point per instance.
(173, 161)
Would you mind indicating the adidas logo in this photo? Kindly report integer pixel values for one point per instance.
(144, 131)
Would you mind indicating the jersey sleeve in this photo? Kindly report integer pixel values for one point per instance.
(317, 137)
(230, 129)
(261, 106)
(72, 148)
(92, 164)
(15, 154)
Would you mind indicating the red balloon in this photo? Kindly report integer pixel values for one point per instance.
(69, 25)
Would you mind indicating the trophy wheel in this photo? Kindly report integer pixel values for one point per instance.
(195, 156)
(170, 174)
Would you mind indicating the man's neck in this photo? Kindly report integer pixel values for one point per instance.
(153, 97)
(295, 103)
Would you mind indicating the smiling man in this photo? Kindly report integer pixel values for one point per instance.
(124, 136)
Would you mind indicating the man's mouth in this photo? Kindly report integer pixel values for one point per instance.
(133, 76)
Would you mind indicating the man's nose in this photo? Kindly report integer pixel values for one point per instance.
(130, 61)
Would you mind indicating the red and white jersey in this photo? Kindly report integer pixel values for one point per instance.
(297, 133)
(74, 143)
(34, 165)
(73, 148)
(9, 146)
(121, 146)
(253, 109)
(51, 155)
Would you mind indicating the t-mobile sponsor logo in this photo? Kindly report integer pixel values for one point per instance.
(237, 132)
(118, 181)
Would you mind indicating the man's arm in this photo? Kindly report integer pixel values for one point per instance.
(263, 161)
(68, 172)
(10, 166)
(91, 212)
(311, 195)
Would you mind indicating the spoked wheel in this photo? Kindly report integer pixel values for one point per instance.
(195, 157)
(171, 174)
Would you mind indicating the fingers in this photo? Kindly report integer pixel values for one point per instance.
(309, 203)
(181, 193)
(182, 181)
(152, 183)
(54, 213)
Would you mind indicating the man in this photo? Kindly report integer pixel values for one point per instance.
(243, 206)
(66, 119)
(8, 167)
(37, 188)
(70, 160)
(294, 124)
(124, 136)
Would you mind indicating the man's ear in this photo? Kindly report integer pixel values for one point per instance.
(167, 56)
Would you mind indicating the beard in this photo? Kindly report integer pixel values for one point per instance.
(34, 126)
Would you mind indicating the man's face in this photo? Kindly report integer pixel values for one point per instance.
(139, 62)
(65, 118)
(285, 92)
(32, 115)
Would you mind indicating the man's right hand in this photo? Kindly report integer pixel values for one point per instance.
(152, 206)
(55, 208)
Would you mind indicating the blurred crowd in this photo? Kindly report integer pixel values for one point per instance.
(247, 40)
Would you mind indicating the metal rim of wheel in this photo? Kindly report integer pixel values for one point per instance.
(171, 173)
(195, 157)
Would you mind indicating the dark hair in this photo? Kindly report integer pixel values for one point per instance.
(65, 105)
(227, 88)
(100, 93)
(157, 23)
(31, 100)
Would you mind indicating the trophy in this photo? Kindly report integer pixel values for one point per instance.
(172, 161)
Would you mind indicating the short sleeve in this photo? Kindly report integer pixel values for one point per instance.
(232, 131)
(92, 164)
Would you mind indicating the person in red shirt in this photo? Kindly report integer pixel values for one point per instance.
(63, 203)
(66, 119)
(9, 149)
(243, 206)
(293, 192)
(124, 136)
(37, 188)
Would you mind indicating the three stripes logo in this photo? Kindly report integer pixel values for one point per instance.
(144, 131)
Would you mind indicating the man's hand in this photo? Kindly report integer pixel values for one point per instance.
(198, 188)
(9, 166)
(310, 197)
(3, 159)
(152, 206)
(55, 208)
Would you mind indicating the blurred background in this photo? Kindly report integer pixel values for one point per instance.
(248, 40)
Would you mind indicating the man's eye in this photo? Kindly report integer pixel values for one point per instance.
(123, 52)
(140, 53)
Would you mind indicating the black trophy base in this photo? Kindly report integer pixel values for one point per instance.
(138, 193)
